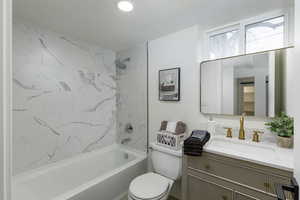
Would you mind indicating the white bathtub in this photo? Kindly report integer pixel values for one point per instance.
(100, 175)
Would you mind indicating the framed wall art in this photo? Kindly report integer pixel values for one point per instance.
(169, 84)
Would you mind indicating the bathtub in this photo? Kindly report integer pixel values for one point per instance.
(99, 175)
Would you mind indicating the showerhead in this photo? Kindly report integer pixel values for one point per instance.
(121, 63)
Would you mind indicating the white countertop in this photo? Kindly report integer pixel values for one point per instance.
(264, 153)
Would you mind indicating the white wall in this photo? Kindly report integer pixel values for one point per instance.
(260, 63)
(271, 108)
(180, 49)
(64, 97)
(211, 87)
(5, 99)
(175, 50)
(228, 90)
(296, 88)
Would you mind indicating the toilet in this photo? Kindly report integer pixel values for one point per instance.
(157, 185)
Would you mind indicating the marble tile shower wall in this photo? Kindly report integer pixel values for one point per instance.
(132, 98)
(64, 97)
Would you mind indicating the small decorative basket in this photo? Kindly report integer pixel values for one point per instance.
(169, 140)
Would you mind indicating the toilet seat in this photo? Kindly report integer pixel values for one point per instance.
(149, 186)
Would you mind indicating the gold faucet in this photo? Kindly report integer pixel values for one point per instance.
(256, 135)
(242, 129)
(229, 132)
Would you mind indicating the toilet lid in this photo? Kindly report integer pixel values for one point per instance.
(149, 186)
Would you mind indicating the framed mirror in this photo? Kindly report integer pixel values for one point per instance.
(251, 84)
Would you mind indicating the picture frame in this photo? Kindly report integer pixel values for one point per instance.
(169, 84)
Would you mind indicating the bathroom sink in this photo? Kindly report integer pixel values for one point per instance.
(264, 153)
(242, 148)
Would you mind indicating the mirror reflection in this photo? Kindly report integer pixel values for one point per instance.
(251, 84)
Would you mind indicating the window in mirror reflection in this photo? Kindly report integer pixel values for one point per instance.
(224, 44)
(265, 35)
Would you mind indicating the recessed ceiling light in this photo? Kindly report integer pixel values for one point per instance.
(125, 6)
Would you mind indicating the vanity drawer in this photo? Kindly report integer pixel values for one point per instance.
(240, 196)
(229, 169)
(202, 189)
(210, 182)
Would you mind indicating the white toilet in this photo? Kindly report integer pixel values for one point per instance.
(156, 186)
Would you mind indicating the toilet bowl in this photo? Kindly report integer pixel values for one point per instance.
(157, 185)
(150, 186)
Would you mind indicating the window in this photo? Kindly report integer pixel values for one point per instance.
(268, 34)
(224, 44)
(247, 37)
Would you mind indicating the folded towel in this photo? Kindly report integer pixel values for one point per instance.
(193, 152)
(171, 127)
(163, 125)
(176, 127)
(193, 145)
(180, 128)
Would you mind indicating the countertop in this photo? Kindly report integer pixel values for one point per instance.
(263, 153)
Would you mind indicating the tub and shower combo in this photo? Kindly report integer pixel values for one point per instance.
(79, 127)
(100, 175)
(103, 173)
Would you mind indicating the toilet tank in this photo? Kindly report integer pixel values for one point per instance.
(166, 162)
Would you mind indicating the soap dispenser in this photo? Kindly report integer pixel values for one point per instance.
(211, 125)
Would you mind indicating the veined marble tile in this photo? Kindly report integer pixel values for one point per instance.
(132, 98)
(64, 97)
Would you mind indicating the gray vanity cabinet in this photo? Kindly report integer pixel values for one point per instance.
(229, 170)
(214, 177)
(277, 179)
(202, 189)
(240, 196)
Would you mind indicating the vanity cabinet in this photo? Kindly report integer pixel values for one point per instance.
(207, 190)
(214, 177)
(240, 196)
